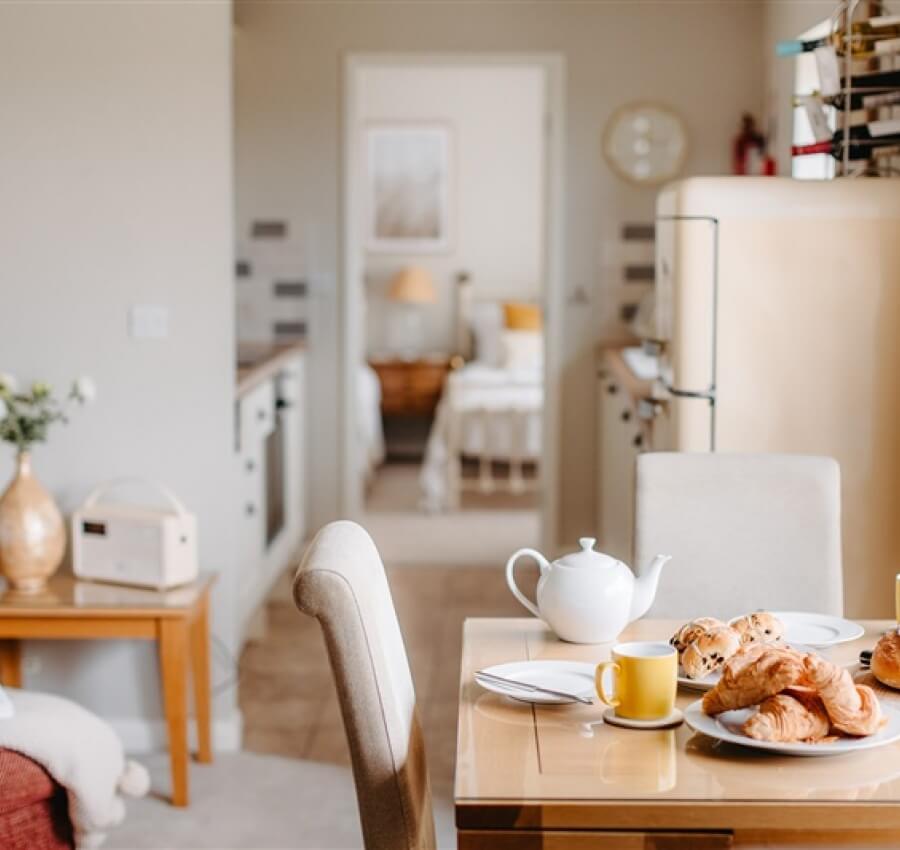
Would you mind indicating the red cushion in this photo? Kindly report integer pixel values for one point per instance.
(34, 812)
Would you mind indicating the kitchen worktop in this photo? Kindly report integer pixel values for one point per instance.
(259, 361)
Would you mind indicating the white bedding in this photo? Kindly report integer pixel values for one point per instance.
(369, 430)
(471, 414)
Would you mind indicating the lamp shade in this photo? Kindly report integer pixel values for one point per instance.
(412, 285)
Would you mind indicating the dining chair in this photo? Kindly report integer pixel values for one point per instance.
(341, 581)
(745, 532)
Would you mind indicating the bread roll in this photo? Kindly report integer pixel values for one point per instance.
(709, 651)
(886, 660)
(689, 632)
(758, 627)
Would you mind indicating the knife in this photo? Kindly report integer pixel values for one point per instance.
(513, 683)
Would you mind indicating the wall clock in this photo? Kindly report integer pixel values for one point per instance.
(645, 143)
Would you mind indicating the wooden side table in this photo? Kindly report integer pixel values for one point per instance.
(410, 387)
(178, 620)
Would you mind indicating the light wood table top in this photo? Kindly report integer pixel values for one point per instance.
(66, 596)
(524, 767)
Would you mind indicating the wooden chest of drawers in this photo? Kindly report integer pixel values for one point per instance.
(410, 387)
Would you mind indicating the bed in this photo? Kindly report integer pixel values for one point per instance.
(490, 411)
(369, 431)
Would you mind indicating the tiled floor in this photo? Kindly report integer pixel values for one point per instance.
(286, 692)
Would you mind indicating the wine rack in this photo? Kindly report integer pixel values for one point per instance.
(855, 114)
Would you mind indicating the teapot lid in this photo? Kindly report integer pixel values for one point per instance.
(587, 557)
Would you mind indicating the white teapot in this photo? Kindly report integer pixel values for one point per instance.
(588, 597)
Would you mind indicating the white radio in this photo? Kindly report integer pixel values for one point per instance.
(134, 544)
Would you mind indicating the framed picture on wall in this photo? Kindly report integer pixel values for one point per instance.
(408, 188)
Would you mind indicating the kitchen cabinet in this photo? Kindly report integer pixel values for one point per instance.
(271, 447)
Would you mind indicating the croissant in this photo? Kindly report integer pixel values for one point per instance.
(853, 709)
(796, 714)
(756, 672)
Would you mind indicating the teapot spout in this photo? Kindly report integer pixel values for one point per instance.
(645, 587)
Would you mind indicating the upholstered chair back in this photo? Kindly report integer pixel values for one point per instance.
(342, 583)
(745, 532)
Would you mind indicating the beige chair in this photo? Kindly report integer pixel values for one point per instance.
(342, 583)
(745, 531)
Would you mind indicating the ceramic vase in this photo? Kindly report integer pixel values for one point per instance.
(32, 532)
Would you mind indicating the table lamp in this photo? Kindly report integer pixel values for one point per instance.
(411, 288)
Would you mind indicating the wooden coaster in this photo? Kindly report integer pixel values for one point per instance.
(676, 718)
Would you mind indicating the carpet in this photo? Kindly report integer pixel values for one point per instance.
(246, 801)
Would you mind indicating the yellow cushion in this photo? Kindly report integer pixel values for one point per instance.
(519, 316)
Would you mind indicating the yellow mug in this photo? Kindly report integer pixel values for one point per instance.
(645, 679)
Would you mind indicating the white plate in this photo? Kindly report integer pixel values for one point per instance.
(702, 685)
(819, 630)
(727, 727)
(574, 677)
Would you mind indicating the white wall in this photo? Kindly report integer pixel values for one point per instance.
(495, 116)
(116, 173)
(703, 59)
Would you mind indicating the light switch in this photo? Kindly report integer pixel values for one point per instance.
(148, 321)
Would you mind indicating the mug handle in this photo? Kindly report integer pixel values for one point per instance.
(511, 581)
(598, 681)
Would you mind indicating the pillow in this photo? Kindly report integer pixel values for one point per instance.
(523, 350)
(487, 329)
(519, 316)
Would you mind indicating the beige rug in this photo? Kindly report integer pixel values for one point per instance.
(247, 801)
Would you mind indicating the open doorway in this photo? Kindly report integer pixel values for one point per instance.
(451, 270)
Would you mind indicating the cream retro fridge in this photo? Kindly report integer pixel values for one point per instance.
(778, 330)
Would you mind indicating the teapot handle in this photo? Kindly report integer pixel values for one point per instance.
(511, 581)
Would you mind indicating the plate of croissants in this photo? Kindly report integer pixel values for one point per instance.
(776, 697)
(705, 644)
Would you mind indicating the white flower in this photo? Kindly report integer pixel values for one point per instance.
(84, 389)
(3, 410)
(41, 390)
(8, 383)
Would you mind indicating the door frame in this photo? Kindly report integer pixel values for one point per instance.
(350, 294)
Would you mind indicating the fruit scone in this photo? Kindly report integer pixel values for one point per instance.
(705, 644)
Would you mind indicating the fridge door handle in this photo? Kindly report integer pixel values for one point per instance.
(708, 395)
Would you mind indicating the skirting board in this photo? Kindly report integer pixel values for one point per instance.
(147, 735)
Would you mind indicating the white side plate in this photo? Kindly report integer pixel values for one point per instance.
(727, 727)
(818, 630)
(574, 677)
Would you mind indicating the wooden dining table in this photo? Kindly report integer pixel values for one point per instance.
(557, 777)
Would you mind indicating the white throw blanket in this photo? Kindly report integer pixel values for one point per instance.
(469, 394)
(82, 753)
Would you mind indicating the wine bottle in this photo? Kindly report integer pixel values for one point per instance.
(874, 80)
(863, 40)
(858, 99)
(857, 148)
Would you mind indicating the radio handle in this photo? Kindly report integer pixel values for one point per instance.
(101, 489)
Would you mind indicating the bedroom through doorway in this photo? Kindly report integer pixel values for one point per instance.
(448, 177)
